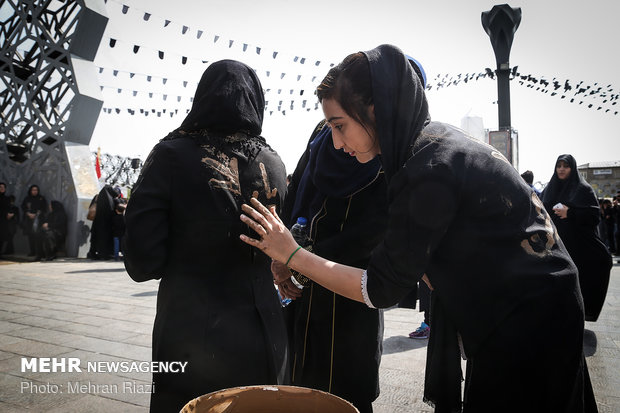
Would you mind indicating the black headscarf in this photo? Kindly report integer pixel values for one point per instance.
(401, 109)
(34, 203)
(329, 173)
(229, 99)
(573, 191)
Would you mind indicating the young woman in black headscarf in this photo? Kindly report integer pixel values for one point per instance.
(574, 209)
(489, 250)
(217, 308)
(336, 342)
(34, 208)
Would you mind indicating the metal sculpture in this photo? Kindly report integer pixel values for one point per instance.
(50, 101)
(119, 170)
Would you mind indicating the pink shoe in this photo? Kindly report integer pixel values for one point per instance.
(422, 332)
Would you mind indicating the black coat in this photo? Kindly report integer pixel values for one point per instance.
(4, 223)
(35, 205)
(57, 221)
(337, 342)
(505, 286)
(101, 231)
(217, 307)
(579, 232)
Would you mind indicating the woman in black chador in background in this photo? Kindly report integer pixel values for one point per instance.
(574, 209)
(101, 237)
(51, 236)
(34, 208)
(217, 307)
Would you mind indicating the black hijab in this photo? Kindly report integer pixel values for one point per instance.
(574, 191)
(329, 173)
(229, 99)
(401, 112)
(34, 203)
(401, 109)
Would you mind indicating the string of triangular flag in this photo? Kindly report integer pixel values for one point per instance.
(307, 77)
(553, 87)
(594, 96)
(600, 97)
(193, 85)
(148, 16)
(282, 107)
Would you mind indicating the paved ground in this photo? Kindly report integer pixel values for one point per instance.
(94, 312)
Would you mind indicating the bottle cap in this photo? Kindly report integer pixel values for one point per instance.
(302, 221)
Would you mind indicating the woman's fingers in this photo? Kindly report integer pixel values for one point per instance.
(428, 282)
(289, 290)
(257, 216)
(264, 211)
(272, 209)
(251, 241)
(279, 271)
(260, 230)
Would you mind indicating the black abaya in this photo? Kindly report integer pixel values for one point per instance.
(217, 307)
(507, 288)
(579, 233)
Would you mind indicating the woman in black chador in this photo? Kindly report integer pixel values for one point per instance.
(506, 294)
(53, 232)
(217, 307)
(336, 342)
(574, 209)
(34, 208)
(101, 237)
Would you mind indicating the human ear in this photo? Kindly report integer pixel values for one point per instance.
(371, 113)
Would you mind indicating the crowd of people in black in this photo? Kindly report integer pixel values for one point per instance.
(609, 226)
(45, 226)
(496, 256)
(43, 223)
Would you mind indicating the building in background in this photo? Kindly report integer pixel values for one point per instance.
(604, 177)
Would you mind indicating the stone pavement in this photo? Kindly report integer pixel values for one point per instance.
(91, 310)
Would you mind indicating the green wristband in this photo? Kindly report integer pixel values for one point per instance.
(294, 252)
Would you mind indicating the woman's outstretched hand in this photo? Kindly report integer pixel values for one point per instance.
(276, 240)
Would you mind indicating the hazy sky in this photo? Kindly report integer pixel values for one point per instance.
(556, 39)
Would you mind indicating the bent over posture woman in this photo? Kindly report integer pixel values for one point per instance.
(489, 249)
(217, 308)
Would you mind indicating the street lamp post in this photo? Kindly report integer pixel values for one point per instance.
(501, 23)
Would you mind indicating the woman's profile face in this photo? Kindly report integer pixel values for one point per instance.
(562, 168)
(348, 134)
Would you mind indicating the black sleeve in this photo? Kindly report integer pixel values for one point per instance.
(588, 216)
(146, 218)
(418, 218)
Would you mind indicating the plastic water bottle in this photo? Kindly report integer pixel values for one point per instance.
(300, 232)
(283, 301)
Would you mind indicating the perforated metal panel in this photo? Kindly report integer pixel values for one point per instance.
(48, 97)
